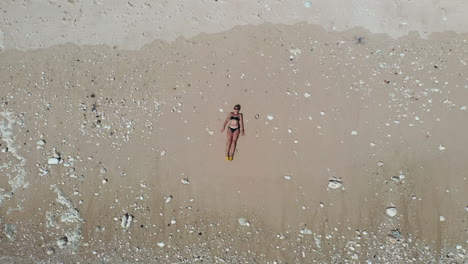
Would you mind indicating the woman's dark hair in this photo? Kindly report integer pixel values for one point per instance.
(237, 105)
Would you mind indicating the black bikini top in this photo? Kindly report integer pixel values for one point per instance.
(235, 117)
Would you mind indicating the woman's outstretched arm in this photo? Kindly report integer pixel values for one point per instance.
(242, 124)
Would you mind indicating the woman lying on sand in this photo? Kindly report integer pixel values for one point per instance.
(236, 126)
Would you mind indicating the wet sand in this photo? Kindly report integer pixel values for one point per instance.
(357, 154)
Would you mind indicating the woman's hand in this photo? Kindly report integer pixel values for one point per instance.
(222, 130)
(242, 133)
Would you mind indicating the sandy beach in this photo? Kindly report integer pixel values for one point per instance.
(354, 150)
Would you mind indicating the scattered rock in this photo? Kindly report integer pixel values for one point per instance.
(257, 116)
(442, 218)
(62, 242)
(335, 183)
(126, 220)
(396, 178)
(161, 244)
(54, 161)
(243, 222)
(168, 199)
(308, 4)
(306, 95)
(380, 164)
(396, 234)
(10, 231)
(306, 231)
(294, 53)
(50, 251)
(40, 144)
(270, 117)
(287, 177)
(354, 132)
(71, 216)
(391, 211)
(441, 148)
(185, 181)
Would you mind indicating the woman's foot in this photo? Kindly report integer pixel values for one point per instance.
(231, 158)
(228, 158)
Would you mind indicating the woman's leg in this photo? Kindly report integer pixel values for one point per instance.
(235, 136)
(228, 142)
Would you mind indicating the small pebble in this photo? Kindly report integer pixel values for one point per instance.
(50, 251)
(391, 211)
(243, 222)
(53, 161)
(335, 183)
(185, 181)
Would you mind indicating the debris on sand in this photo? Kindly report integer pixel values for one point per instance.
(62, 242)
(40, 144)
(243, 222)
(306, 231)
(287, 177)
(10, 231)
(50, 251)
(396, 234)
(54, 161)
(391, 211)
(126, 220)
(185, 181)
(168, 199)
(335, 183)
(294, 53)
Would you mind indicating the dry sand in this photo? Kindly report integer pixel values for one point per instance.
(358, 154)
